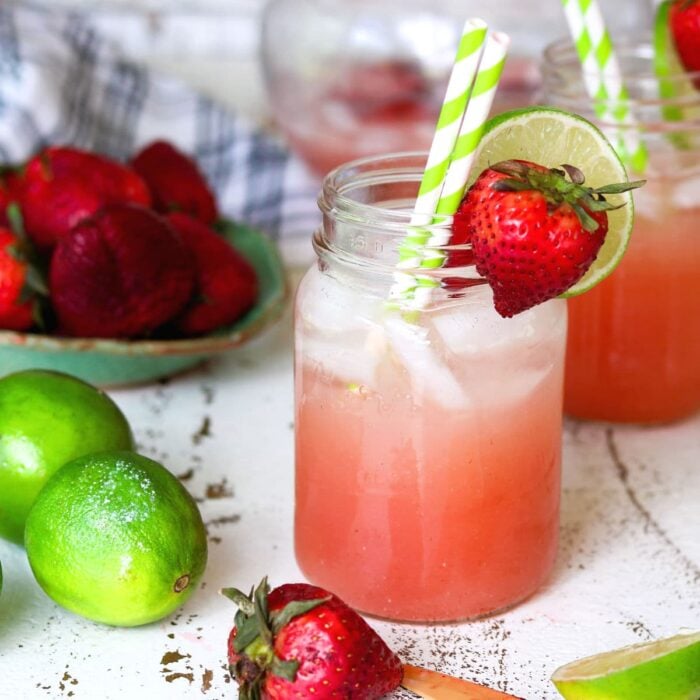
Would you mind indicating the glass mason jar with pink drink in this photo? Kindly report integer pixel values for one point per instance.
(634, 340)
(428, 444)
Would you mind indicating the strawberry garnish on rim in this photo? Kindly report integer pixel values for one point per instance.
(684, 20)
(302, 641)
(534, 231)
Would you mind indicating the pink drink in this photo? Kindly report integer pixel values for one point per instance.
(378, 108)
(634, 340)
(633, 351)
(427, 483)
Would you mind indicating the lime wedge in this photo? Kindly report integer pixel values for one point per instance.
(668, 669)
(553, 137)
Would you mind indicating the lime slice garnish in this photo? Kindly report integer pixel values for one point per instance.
(668, 669)
(553, 137)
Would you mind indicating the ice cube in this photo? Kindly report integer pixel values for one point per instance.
(354, 361)
(473, 326)
(429, 374)
(686, 194)
(652, 201)
(329, 306)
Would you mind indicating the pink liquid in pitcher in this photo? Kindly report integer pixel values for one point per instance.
(383, 108)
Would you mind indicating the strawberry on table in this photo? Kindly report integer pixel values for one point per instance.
(534, 232)
(121, 273)
(226, 284)
(61, 186)
(684, 18)
(175, 181)
(299, 641)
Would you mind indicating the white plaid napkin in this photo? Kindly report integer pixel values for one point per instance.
(61, 82)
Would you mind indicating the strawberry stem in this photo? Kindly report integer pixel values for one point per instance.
(557, 190)
(240, 599)
(255, 631)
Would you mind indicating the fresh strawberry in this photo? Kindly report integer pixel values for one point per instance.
(175, 181)
(121, 273)
(534, 233)
(226, 285)
(460, 238)
(22, 284)
(8, 193)
(303, 642)
(61, 186)
(684, 20)
(16, 311)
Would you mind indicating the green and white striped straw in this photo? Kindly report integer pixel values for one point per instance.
(603, 77)
(457, 96)
(472, 129)
(443, 184)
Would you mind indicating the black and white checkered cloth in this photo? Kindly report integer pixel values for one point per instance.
(62, 83)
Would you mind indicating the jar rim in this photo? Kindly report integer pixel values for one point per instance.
(376, 170)
(561, 53)
(360, 233)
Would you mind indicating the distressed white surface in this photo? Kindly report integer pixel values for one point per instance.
(628, 569)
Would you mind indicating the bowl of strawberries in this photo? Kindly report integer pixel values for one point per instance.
(125, 272)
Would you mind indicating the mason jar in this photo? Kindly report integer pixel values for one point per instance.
(428, 441)
(634, 340)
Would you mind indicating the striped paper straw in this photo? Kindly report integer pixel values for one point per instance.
(421, 247)
(603, 76)
(474, 123)
(459, 90)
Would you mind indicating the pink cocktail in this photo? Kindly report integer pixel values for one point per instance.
(633, 353)
(427, 450)
(634, 340)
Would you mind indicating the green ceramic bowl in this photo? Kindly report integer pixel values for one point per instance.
(115, 362)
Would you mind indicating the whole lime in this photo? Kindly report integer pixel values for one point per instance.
(116, 538)
(46, 420)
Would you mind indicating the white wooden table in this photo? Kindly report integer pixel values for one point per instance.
(628, 568)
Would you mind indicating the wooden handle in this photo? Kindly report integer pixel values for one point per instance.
(433, 685)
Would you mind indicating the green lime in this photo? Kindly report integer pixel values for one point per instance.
(553, 137)
(46, 420)
(668, 669)
(116, 538)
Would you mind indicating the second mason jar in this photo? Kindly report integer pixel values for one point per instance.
(428, 443)
(634, 340)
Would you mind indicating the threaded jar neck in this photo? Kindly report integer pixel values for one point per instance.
(367, 208)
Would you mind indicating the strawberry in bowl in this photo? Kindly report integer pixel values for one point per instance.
(144, 277)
